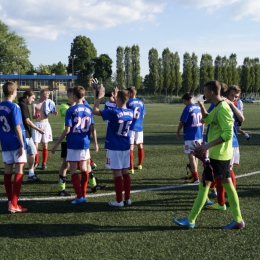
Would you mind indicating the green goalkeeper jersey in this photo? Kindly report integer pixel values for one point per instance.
(62, 111)
(221, 125)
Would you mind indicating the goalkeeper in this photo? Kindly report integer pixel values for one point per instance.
(220, 152)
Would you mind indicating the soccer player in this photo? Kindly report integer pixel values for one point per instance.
(136, 128)
(220, 152)
(117, 144)
(77, 126)
(232, 95)
(190, 121)
(240, 106)
(111, 103)
(27, 99)
(40, 112)
(13, 143)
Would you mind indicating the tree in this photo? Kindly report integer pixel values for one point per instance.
(81, 58)
(206, 69)
(136, 66)
(120, 75)
(194, 72)
(153, 70)
(245, 75)
(43, 69)
(14, 54)
(128, 66)
(103, 68)
(177, 74)
(186, 73)
(225, 71)
(218, 68)
(256, 71)
(166, 57)
(59, 68)
(160, 72)
(233, 74)
(210, 67)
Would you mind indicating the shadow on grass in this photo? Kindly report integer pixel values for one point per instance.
(66, 230)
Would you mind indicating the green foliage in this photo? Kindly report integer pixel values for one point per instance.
(161, 78)
(120, 75)
(103, 68)
(14, 54)
(218, 69)
(194, 72)
(166, 66)
(59, 68)
(187, 73)
(246, 75)
(225, 71)
(153, 70)
(81, 56)
(136, 66)
(206, 69)
(233, 73)
(128, 66)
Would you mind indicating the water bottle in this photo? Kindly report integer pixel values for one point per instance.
(200, 98)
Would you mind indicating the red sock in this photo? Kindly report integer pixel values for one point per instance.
(84, 183)
(76, 184)
(118, 188)
(131, 159)
(195, 175)
(8, 186)
(91, 162)
(37, 156)
(18, 178)
(44, 156)
(233, 177)
(127, 185)
(140, 155)
(221, 192)
(213, 184)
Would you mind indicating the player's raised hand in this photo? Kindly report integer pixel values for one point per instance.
(102, 90)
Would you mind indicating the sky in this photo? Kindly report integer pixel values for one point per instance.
(216, 27)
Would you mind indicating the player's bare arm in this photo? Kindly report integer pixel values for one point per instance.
(94, 135)
(181, 124)
(32, 125)
(96, 110)
(62, 136)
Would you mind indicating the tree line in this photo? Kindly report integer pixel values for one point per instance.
(164, 75)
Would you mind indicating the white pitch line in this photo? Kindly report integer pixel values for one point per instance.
(133, 191)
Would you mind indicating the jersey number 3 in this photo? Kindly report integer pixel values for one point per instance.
(6, 127)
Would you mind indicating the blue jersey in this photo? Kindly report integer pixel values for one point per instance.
(191, 117)
(139, 111)
(235, 139)
(109, 105)
(79, 119)
(10, 117)
(119, 121)
(92, 116)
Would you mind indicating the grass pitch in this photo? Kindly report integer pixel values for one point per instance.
(55, 229)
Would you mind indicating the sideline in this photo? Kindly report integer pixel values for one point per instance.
(134, 191)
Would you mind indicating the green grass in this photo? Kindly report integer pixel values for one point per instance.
(55, 229)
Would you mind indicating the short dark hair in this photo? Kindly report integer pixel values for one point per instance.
(235, 88)
(132, 90)
(79, 92)
(123, 95)
(8, 88)
(214, 86)
(27, 93)
(187, 96)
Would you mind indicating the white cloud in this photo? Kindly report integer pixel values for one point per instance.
(238, 8)
(47, 19)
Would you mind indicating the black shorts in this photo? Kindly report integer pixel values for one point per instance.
(239, 123)
(220, 169)
(63, 150)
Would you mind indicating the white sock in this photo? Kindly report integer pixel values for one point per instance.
(31, 172)
(246, 135)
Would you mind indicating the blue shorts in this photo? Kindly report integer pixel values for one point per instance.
(31, 149)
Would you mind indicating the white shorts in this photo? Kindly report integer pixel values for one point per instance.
(188, 145)
(236, 156)
(136, 137)
(46, 137)
(77, 155)
(10, 157)
(117, 160)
